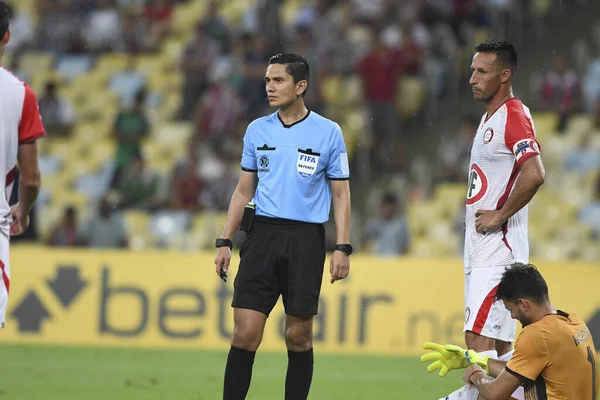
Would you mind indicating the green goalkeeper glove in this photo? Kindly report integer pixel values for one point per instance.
(451, 357)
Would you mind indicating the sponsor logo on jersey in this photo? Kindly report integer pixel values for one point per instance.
(478, 184)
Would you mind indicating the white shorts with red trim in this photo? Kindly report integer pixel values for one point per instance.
(483, 315)
(4, 277)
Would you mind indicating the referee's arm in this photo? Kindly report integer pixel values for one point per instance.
(244, 191)
(339, 266)
(341, 208)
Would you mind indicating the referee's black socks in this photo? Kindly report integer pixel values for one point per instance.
(299, 375)
(238, 373)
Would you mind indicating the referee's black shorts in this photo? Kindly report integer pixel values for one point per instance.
(281, 257)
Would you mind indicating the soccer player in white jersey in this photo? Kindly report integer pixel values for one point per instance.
(20, 127)
(506, 171)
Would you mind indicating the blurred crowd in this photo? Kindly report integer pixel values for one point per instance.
(410, 57)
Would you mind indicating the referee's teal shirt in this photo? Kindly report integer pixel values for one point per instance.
(294, 163)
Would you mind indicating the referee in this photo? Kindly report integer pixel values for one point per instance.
(294, 162)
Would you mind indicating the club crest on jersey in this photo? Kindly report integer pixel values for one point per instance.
(488, 135)
(478, 184)
(263, 163)
(307, 164)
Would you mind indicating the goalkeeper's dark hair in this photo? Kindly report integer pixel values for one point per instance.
(295, 65)
(5, 16)
(505, 52)
(522, 281)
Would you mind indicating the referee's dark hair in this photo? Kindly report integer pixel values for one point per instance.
(5, 15)
(295, 65)
(522, 281)
(505, 52)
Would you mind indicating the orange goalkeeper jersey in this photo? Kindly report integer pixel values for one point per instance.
(555, 358)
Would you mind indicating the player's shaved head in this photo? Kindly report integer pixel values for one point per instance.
(505, 52)
(522, 281)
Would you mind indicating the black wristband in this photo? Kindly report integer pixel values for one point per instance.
(344, 248)
(224, 242)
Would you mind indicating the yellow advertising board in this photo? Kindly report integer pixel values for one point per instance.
(162, 299)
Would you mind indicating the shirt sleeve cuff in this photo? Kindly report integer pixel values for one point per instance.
(249, 169)
(518, 376)
(32, 138)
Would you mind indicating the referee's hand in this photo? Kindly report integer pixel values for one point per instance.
(222, 260)
(339, 267)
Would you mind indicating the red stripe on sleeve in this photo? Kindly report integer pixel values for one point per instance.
(30, 127)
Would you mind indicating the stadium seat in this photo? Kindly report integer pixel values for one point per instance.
(331, 89)
(137, 223)
(103, 150)
(411, 95)
(209, 225)
(289, 11)
(47, 218)
(451, 198)
(70, 67)
(172, 50)
(420, 216)
(545, 125)
(93, 185)
(99, 105)
(164, 225)
(34, 61)
(353, 89)
(427, 248)
(40, 78)
(151, 64)
(111, 63)
(232, 11)
(185, 18)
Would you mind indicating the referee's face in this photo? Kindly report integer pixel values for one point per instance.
(280, 86)
(486, 76)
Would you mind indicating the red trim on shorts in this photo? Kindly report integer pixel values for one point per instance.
(484, 311)
(10, 177)
(5, 277)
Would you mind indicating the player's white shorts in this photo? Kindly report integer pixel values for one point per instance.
(4, 277)
(483, 315)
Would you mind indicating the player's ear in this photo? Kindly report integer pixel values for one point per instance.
(505, 75)
(6, 37)
(523, 304)
(301, 87)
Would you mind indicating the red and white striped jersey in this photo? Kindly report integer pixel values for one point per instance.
(20, 122)
(502, 144)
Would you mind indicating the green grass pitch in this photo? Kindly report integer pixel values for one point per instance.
(70, 373)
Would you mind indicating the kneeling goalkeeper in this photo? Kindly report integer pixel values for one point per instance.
(554, 356)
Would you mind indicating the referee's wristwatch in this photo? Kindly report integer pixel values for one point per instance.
(344, 248)
(224, 242)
